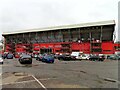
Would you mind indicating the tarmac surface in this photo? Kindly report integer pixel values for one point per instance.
(61, 74)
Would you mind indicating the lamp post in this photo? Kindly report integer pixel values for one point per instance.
(82, 45)
(79, 41)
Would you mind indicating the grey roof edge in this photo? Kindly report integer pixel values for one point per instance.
(100, 23)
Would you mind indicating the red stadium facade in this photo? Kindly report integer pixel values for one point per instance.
(89, 38)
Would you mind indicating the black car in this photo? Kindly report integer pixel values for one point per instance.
(25, 59)
(96, 58)
(4, 56)
(66, 57)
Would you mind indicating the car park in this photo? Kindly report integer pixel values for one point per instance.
(48, 59)
(25, 59)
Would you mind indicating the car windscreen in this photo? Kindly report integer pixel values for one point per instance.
(10, 55)
(48, 56)
(26, 56)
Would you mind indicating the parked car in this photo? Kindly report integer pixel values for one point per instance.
(64, 57)
(25, 59)
(10, 56)
(1, 60)
(56, 55)
(48, 59)
(84, 57)
(17, 55)
(4, 56)
(39, 57)
(113, 57)
(76, 55)
(34, 55)
(96, 58)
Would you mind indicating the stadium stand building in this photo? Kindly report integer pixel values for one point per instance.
(95, 38)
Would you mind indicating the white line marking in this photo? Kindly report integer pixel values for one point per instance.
(24, 81)
(39, 82)
(46, 78)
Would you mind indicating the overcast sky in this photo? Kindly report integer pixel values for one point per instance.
(27, 14)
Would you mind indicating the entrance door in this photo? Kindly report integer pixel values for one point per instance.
(45, 50)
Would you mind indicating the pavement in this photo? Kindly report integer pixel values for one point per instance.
(61, 74)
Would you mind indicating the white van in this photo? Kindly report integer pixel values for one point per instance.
(76, 54)
(80, 55)
(85, 57)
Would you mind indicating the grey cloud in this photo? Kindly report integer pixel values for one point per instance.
(25, 14)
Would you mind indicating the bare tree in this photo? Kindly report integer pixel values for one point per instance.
(2, 40)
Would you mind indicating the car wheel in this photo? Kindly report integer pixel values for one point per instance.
(21, 62)
(59, 58)
(36, 59)
(80, 59)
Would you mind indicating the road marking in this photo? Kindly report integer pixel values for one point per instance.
(47, 78)
(39, 82)
(25, 81)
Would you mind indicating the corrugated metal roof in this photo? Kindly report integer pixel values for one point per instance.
(101, 23)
